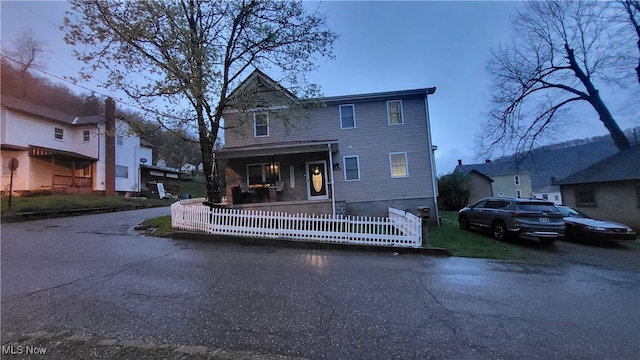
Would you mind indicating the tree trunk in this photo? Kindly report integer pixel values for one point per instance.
(618, 136)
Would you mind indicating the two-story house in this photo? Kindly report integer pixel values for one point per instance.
(59, 152)
(352, 154)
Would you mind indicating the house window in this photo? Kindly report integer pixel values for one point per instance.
(545, 196)
(263, 174)
(122, 171)
(585, 197)
(518, 194)
(557, 197)
(394, 112)
(260, 125)
(347, 117)
(516, 180)
(351, 168)
(398, 163)
(119, 140)
(58, 134)
(86, 136)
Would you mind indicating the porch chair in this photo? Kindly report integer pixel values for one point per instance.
(279, 186)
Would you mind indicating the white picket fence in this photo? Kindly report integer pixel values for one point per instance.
(400, 229)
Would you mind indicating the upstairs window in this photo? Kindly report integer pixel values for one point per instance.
(58, 134)
(86, 136)
(347, 117)
(119, 140)
(516, 180)
(394, 112)
(260, 125)
(399, 167)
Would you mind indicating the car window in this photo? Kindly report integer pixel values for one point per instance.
(567, 211)
(480, 204)
(496, 204)
(541, 207)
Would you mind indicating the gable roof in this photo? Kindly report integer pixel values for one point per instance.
(260, 78)
(13, 103)
(264, 79)
(624, 165)
(474, 171)
(28, 107)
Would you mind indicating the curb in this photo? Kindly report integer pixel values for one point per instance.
(186, 235)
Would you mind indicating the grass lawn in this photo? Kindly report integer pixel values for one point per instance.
(31, 206)
(196, 187)
(470, 243)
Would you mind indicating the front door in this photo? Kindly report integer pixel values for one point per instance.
(317, 180)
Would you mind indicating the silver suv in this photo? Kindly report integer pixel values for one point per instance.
(514, 217)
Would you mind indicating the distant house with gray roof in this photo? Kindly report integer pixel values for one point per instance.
(608, 189)
(541, 167)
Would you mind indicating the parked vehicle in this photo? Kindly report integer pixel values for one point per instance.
(515, 217)
(581, 227)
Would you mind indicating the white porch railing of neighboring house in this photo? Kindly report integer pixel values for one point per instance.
(399, 229)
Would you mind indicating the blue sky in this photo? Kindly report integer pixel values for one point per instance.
(383, 46)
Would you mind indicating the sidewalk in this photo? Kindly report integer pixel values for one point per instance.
(186, 235)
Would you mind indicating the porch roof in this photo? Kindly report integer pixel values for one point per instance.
(293, 147)
(41, 151)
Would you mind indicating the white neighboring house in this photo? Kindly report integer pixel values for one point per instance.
(187, 168)
(63, 153)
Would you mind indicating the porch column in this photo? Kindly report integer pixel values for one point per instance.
(53, 171)
(73, 172)
(333, 192)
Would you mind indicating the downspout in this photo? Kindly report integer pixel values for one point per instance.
(434, 179)
(94, 167)
(333, 190)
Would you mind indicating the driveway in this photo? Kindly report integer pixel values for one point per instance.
(90, 286)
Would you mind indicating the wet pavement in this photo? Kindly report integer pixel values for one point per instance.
(93, 283)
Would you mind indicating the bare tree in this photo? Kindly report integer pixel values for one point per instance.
(632, 12)
(191, 54)
(558, 53)
(27, 52)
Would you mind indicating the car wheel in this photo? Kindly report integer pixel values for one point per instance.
(463, 222)
(570, 234)
(499, 231)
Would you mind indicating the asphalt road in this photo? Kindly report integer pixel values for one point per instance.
(95, 280)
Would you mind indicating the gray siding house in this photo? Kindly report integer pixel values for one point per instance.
(353, 154)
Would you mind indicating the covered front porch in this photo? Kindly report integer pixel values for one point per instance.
(288, 177)
(68, 172)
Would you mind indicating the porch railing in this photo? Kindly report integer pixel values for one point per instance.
(399, 229)
(65, 180)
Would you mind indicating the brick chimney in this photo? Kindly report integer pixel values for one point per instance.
(459, 162)
(110, 147)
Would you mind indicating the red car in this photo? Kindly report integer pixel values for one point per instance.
(580, 227)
